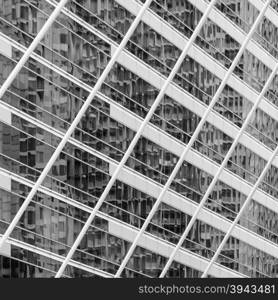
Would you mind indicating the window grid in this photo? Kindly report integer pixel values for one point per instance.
(66, 137)
(191, 142)
(71, 128)
(222, 166)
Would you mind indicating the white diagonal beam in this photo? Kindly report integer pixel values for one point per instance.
(135, 140)
(32, 47)
(189, 145)
(78, 117)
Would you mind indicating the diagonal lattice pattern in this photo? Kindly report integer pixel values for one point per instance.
(169, 81)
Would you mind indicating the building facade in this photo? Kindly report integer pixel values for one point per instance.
(48, 92)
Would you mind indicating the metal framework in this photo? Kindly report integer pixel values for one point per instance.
(139, 16)
(189, 145)
(235, 142)
(4, 88)
(129, 151)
